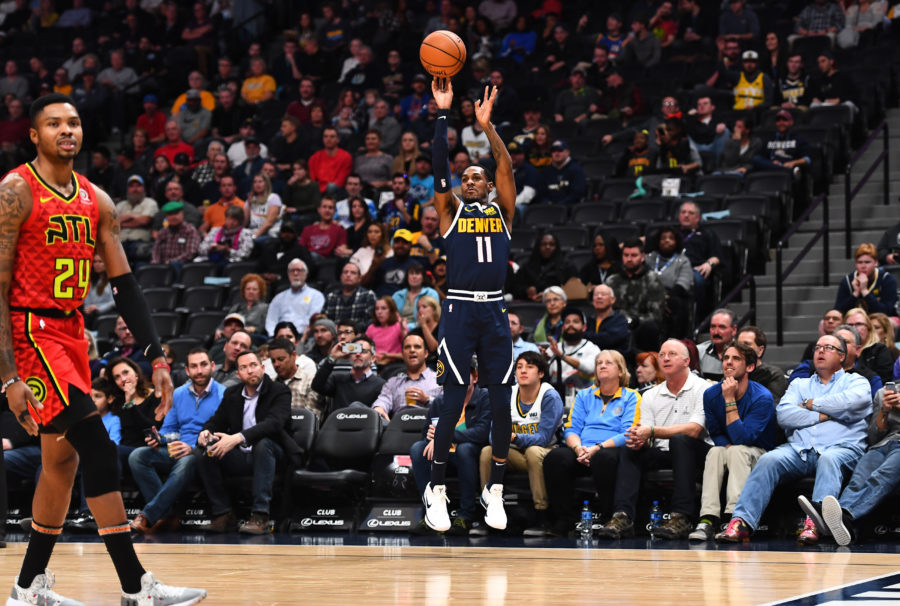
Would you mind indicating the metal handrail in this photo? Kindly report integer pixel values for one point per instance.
(850, 192)
(782, 275)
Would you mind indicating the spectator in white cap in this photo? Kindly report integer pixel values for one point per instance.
(136, 214)
(752, 87)
(232, 323)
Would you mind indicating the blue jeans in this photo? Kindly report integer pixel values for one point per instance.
(260, 461)
(24, 461)
(465, 460)
(146, 464)
(717, 145)
(876, 475)
(784, 464)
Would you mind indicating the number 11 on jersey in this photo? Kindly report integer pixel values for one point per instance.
(483, 246)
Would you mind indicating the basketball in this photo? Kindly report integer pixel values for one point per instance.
(442, 54)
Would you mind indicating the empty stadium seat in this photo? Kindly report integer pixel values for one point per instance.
(203, 324)
(719, 185)
(344, 448)
(236, 271)
(105, 326)
(193, 274)
(594, 213)
(168, 324)
(643, 211)
(161, 299)
(404, 430)
(154, 275)
(571, 236)
(616, 190)
(522, 239)
(545, 214)
(202, 298)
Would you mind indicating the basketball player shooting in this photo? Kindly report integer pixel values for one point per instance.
(473, 316)
(51, 221)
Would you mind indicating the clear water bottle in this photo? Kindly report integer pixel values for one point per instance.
(655, 518)
(586, 525)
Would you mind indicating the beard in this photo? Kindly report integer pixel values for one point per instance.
(573, 337)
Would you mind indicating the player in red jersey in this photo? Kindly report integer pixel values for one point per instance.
(51, 222)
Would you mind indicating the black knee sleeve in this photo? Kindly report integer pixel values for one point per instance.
(99, 456)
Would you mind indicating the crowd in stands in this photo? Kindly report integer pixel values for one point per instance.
(286, 189)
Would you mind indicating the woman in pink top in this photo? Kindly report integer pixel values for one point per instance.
(387, 331)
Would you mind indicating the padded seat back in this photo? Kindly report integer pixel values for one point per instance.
(349, 438)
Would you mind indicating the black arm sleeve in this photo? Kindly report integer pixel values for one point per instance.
(134, 310)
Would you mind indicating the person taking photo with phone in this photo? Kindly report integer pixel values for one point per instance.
(360, 386)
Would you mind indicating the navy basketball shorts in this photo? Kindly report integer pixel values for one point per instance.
(474, 327)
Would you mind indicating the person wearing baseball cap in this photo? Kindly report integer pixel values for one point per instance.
(785, 150)
(571, 360)
(177, 242)
(136, 212)
(753, 87)
(152, 120)
(578, 103)
(562, 182)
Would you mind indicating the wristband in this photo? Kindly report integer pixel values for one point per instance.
(651, 432)
(730, 404)
(162, 365)
(6, 384)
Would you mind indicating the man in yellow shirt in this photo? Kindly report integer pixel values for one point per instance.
(259, 86)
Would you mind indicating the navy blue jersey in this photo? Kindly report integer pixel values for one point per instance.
(477, 249)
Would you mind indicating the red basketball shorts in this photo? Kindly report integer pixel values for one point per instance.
(51, 356)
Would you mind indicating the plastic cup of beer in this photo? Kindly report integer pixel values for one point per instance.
(172, 437)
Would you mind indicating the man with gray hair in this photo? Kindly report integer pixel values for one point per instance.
(298, 303)
(206, 172)
(852, 362)
(824, 418)
(671, 434)
(722, 330)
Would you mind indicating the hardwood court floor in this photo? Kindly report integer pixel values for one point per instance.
(271, 574)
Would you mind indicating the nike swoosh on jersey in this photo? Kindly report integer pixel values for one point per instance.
(47, 199)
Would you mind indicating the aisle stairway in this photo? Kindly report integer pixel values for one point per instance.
(805, 296)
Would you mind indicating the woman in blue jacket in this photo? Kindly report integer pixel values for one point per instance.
(407, 299)
(593, 432)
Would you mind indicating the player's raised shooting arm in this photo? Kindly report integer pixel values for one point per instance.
(15, 207)
(445, 201)
(504, 182)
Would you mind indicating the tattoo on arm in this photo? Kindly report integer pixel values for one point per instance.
(12, 214)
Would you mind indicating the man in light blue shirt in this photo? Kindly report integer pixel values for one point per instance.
(824, 418)
(296, 304)
(520, 345)
(192, 405)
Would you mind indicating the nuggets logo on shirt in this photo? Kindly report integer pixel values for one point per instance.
(440, 368)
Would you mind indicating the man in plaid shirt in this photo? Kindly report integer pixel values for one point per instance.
(177, 242)
(821, 18)
(296, 372)
(350, 300)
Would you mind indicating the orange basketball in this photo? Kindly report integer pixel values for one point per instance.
(442, 53)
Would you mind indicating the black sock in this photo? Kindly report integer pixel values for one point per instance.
(498, 469)
(38, 552)
(438, 473)
(711, 520)
(121, 550)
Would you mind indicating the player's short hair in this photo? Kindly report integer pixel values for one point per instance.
(633, 243)
(38, 105)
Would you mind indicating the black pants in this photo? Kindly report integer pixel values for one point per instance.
(4, 498)
(561, 469)
(685, 456)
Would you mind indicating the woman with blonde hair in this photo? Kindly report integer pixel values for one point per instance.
(594, 434)
(263, 208)
(428, 315)
(405, 160)
(884, 330)
(874, 355)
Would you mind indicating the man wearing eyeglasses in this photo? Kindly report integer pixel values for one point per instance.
(360, 385)
(296, 304)
(852, 362)
(824, 418)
